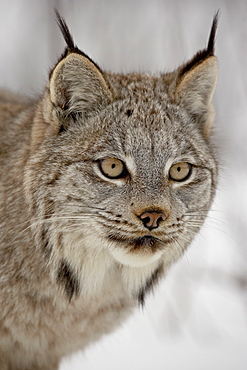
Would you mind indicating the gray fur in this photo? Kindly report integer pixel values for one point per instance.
(75, 256)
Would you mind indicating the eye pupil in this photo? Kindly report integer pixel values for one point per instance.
(113, 165)
(179, 169)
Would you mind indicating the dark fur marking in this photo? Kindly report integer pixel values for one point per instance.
(205, 53)
(129, 112)
(67, 278)
(45, 243)
(62, 129)
(150, 283)
(55, 177)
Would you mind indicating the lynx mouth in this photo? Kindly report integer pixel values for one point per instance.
(146, 242)
(136, 252)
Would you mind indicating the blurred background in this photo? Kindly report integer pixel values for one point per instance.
(197, 318)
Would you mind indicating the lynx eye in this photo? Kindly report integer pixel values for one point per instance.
(180, 171)
(112, 168)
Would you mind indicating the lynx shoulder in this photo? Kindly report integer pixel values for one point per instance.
(104, 182)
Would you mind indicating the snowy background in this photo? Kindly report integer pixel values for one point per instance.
(197, 319)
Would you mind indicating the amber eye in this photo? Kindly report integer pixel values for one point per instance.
(112, 168)
(180, 171)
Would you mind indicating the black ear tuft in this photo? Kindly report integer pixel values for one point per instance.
(205, 53)
(211, 40)
(71, 46)
(65, 32)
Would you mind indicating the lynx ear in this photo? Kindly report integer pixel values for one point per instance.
(196, 81)
(77, 86)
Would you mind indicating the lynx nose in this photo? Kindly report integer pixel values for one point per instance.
(151, 219)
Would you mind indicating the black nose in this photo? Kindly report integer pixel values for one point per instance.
(151, 219)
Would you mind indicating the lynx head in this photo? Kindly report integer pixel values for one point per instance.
(121, 166)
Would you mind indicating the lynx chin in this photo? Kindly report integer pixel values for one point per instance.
(105, 181)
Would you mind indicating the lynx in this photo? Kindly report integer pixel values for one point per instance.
(105, 181)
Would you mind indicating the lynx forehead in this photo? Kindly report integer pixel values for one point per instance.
(105, 181)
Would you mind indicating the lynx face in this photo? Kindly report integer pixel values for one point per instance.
(140, 184)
